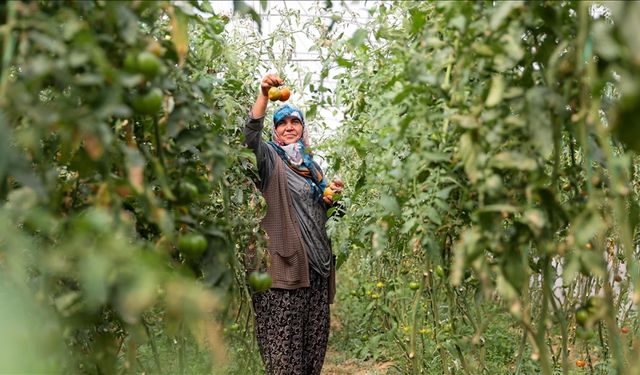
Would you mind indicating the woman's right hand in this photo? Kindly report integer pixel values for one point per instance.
(260, 106)
(269, 81)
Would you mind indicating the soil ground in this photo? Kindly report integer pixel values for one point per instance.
(336, 364)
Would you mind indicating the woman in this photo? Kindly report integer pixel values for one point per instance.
(292, 318)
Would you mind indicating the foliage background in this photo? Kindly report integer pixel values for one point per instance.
(490, 153)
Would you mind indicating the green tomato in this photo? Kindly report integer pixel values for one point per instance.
(585, 334)
(260, 281)
(439, 271)
(582, 315)
(187, 192)
(148, 64)
(130, 63)
(192, 245)
(594, 304)
(414, 285)
(149, 103)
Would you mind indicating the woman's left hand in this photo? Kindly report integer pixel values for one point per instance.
(337, 185)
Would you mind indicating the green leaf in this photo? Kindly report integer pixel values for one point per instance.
(539, 117)
(189, 138)
(513, 160)
(468, 152)
(604, 43)
(634, 214)
(459, 22)
(161, 179)
(495, 93)
(435, 157)
(433, 215)
(536, 220)
(586, 226)
(444, 192)
(465, 121)
(4, 149)
(390, 204)
(502, 12)
(180, 33)
(593, 263)
(344, 62)
(571, 268)
(358, 37)
(482, 49)
(94, 275)
(240, 7)
(463, 250)
(499, 208)
(505, 289)
(630, 29)
(418, 20)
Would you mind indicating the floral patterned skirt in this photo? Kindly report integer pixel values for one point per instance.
(292, 327)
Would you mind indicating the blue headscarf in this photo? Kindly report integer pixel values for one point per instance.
(286, 111)
(295, 155)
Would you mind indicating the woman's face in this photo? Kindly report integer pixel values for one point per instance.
(289, 130)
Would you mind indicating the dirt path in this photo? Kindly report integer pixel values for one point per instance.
(336, 364)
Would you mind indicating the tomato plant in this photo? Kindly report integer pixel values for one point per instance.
(501, 175)
(118, 138)
(489, 151)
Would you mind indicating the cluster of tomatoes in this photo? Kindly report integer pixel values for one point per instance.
(148, 99)
(589, 312)
(279, 93)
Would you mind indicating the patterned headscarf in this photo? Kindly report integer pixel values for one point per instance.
(295, 155)
(288, 111)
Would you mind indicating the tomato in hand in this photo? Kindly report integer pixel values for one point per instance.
(274, 94)
(285, 93)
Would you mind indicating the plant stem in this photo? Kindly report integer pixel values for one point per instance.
(541, 329)
(564, 332)
(154, 348)
(520, 355)
(416, 362)
(156, 133)
(9, 46)
(434, 313)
